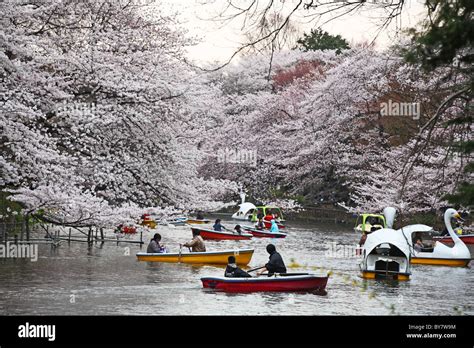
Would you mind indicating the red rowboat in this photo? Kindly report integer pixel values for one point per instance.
(263, 234)
(466, 238)
(287, 282)
(127, 229)
(216, 235)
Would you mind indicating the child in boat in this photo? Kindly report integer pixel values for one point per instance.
(197, 244)
(233, 271)
(217, 226)
(154, 246)
(275, 263)
(274, 227)
(238, 229)
(260, 225)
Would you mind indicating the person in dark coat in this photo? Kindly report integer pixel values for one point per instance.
(275, 263)
(233, 271)
(238, 229)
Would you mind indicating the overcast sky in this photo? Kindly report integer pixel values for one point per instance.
(220, 40)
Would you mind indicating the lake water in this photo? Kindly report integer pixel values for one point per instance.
(78, 280)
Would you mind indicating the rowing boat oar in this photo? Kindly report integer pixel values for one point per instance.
(255, 269)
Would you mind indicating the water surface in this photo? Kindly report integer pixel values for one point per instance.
(108, 280)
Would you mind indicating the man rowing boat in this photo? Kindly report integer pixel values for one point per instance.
(275, 263)
(197, 243)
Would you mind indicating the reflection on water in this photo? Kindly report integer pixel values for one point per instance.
(107, 279)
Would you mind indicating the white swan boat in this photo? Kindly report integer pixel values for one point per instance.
(386, 255)
(457, 255)
(246, 209)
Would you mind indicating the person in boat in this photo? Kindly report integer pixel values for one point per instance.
(217, 226)
(199, 216)
(260, 225)
(363, 238)
(274, 226)
(268, 217)
(238, 229)
(233, 271)
(371, 220)
(418, 246)
(196, 244)
(260, 215)
(275, 263)
(457, 229)
(154, 246)
(375, 228)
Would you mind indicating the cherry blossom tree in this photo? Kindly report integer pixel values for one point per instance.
(99, 111)
(319, 131)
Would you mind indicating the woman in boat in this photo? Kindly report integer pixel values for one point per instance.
(233, 271)
(238, 229)
(199, 216)
(154, 246)
(275, 263)
(268, 217)
(196, 244)
(274, 227)
(217, 226)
